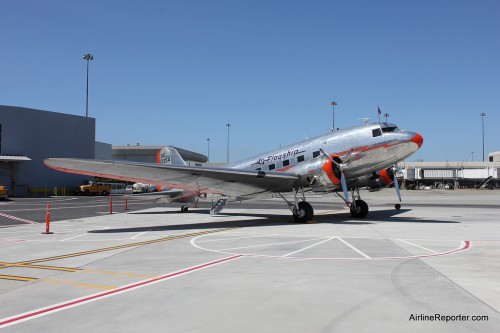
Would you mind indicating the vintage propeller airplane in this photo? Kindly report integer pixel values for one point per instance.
(340, 161)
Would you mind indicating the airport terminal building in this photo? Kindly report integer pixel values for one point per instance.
(29, 136)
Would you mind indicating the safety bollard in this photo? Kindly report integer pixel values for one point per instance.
(126, 202)
(47, 221)
(110, 204)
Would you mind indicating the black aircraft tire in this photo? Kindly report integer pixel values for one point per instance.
(361, 209)
(306, 212)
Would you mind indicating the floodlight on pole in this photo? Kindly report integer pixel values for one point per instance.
(482, 114)
(228, 125)
(333, 114)
(87, 57)
(208, 156)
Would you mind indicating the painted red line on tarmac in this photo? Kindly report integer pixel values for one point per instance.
(86, 299)
(17, 218)
(11, 241)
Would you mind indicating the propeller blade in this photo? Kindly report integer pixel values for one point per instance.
(342, 176)
(197, 199)
(344, 188)
(396, 186)
(329, 157)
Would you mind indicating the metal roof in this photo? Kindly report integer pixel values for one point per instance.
(152, 150)
(13, 158)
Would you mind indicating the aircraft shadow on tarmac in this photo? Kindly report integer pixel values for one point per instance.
(391, 215)
(379, 216)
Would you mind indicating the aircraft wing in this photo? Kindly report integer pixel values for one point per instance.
(237, 184)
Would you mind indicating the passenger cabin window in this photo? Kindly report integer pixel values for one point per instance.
(272, 166)
(376, 132)
(300, 159)
(286, 163)
(315, 153)
(258, 169)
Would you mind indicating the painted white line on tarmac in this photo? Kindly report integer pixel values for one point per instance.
(62, 240)
(142, 233)
(270, 244)
(424, 248)
(237, 238)
(352, 247)
(308, 247)
(15, 218)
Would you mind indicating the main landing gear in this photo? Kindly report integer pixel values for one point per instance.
(358, 207)
(302, 210)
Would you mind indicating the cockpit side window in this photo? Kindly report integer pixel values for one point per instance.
(376, 132)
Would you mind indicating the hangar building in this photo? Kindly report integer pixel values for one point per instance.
(29, 136)
(148, 154)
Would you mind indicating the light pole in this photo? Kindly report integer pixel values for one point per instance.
(208, 143)
(333, 114)
(228, 125)
(482, 125)
(87, 57)
(386, 115)
(472, 153)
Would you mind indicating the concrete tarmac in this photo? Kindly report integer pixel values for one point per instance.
(432, 266)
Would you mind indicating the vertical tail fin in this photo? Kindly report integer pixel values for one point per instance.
(169, 155)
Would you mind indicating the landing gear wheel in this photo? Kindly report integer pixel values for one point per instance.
(184, 209)
(397, 206)
(359, 209)
(304, 213)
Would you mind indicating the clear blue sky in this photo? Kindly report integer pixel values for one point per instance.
(175, 72)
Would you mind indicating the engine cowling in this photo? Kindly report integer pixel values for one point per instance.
(386, 176)
(331, 171)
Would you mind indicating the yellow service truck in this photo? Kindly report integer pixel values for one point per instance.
(92, 187)
(4, 193)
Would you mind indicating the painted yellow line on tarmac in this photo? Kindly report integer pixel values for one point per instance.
(53, 268)
(17, 278)
(118, 274)
(80, 284)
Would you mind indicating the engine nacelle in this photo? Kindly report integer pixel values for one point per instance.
(386, 176)
(383, 178)
(321, 174)
(331, 170)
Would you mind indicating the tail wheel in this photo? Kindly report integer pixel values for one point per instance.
(359, 209)
(304, 213)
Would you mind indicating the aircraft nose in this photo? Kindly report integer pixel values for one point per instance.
(418, 139)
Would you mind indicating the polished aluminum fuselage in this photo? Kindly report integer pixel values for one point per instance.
(367, 148)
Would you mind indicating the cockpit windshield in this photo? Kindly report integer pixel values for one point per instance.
(388, 128)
